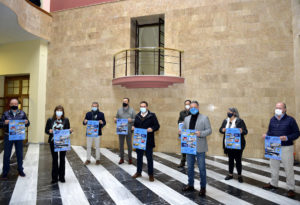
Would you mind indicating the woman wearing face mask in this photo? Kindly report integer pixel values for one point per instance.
(234, 121)
(57, 122)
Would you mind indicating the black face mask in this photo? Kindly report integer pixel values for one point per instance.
(229, 114)
(14, 107)
(125, 104)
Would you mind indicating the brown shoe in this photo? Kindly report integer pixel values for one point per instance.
(151, 178)
(188, 188)
(130, 161)
(291, 193)
(136, 175)
(97, 162)
(202, 192)
(87, 162)
(269, 187)
(121, 161)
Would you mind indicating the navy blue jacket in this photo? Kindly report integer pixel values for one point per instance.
(8, 115)
(150, 121)
(287, 126)
(97, 115)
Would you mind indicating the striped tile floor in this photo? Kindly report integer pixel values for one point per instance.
(111, 183)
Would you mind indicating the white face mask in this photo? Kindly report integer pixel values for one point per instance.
(278, 112)
(143, 109)
(187, 107)
(59, 113)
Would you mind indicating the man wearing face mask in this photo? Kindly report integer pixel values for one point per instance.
(286, 128)
(13, 114)
(182, 115)
(201, 124)
(125, 112)
(146, 120)
(95, 115)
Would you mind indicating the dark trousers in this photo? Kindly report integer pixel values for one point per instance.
(58, 171)
(7, 153)
(235, 155)
(183, 158)
(140, 154)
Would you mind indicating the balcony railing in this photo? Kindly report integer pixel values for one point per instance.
(147, 61)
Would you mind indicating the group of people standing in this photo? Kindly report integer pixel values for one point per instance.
(281, 125)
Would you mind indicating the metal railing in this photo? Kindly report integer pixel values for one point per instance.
(147, 61)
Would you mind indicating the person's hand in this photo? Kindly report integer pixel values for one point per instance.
(101, 122)
(85, 121)
(71, 130)
(6, 122)
(149, 129)
(132, 128)
(179, 132)
(26, 121)
(241, 130)
(224, 130)
(264, 136)
(129, 120)
(198, 133)
(115, 119)
(51, 131)
(283, 138)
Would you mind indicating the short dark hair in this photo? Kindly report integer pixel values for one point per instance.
(195, 102)
(95, 103)
(126, 98)
(144, 102)
(59, 107)
(14, 99)
(187, 101)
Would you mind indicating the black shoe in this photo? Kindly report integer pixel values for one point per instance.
(291, 194)
(202, 192)
(240, 179)
(62, 180)
(269, 187)
(22, 174)
(54, 181)
(182, 164)
(188, 188)
(228, 177)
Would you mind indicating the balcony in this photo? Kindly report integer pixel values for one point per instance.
(151, 67)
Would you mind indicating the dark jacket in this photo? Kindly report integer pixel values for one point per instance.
(8, 115)
(287, 126)
(182, 115)
(97, 115)
(49, 125)
(239, 124)
(150, 121)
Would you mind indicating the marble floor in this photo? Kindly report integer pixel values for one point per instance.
(111, 183)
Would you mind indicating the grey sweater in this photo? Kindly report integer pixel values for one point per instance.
(125, 113)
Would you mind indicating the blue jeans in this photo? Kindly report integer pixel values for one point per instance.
(201, 165)
(7, 153)
(140, 154)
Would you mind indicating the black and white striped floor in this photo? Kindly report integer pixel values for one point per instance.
(110, 183)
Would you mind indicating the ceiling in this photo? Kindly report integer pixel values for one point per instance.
(10, 30)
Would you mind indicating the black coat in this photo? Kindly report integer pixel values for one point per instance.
(96, 116)
(50, 123)
(182, 115)
(239, 124)
(150, 121)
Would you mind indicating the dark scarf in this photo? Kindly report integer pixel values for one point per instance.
(193, 121)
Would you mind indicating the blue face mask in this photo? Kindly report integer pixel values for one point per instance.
(194, 110)
(143, 109)
(94, 109)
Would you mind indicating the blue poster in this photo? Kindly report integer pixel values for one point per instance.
(16, 130)
(273, 147)
(188, 141)
(92, 128)
(140, 138)
(122, 126)
(233, 138)
(61, 140)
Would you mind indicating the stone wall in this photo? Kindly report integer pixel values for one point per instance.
(236, 53)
